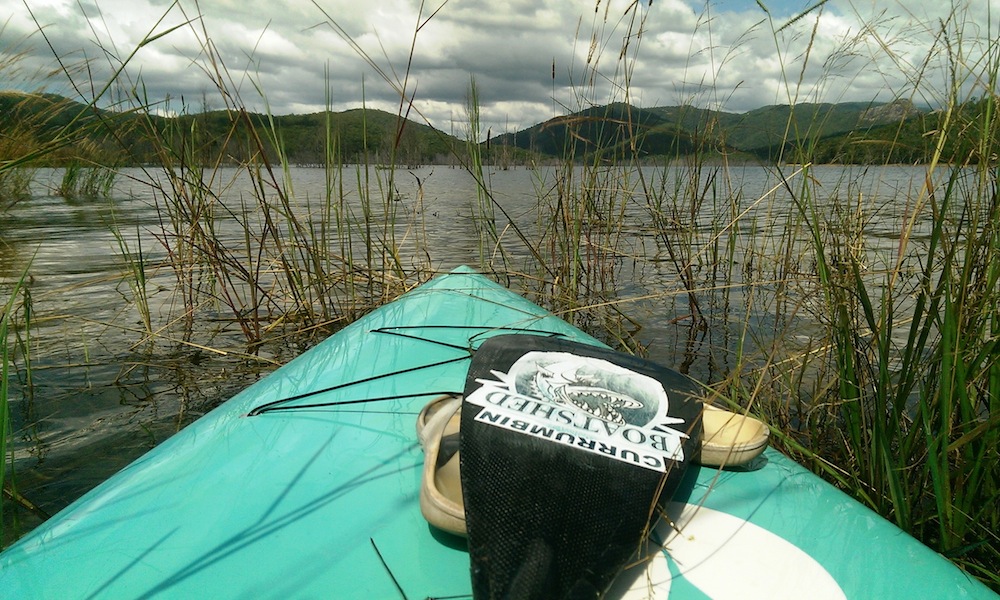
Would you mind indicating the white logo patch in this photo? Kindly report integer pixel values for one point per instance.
(585, 403)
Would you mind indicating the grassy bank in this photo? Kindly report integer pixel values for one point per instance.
(892, 393)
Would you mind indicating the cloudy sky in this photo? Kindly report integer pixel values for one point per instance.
(531, 59)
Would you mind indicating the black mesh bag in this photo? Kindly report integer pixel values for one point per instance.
(566, 450)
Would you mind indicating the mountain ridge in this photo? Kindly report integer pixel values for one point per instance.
(606, 133)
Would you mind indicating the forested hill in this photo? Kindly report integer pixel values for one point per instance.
(895, 132)
(824, 132)
(72, 131)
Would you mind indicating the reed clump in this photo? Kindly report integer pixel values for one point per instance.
(269, 262)
(82, 182)
(15, 186)
(15, 327)
(895, 400)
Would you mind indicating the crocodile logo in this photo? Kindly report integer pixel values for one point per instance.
(564, 384)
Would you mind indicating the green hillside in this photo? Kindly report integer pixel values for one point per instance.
(49, 129)
(915, 140)
(771, 127)
(607, 131)
(52, 128)
(81, 133)
(766, 133)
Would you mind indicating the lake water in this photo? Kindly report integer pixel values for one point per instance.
(100, 397)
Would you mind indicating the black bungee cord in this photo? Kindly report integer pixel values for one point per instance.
(283, 403)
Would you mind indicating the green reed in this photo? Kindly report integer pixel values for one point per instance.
(905, 415)
(270, 259)
(899, 404)
(15, 320)
(577, 243)
(5, 429)
(15, 186)
(135, 263)
(23, 148)
(484, 219)
(582, 223)
(83, 182)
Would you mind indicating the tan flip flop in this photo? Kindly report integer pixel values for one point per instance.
(441, 500)
(430, 409)
(730, 439)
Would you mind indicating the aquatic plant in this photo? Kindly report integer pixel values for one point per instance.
(16, 307)
(897, 401)
(81, 182)
(291, 263)
(15, 186)
(134, 265)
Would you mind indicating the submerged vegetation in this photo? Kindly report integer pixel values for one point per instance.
(893, 395)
